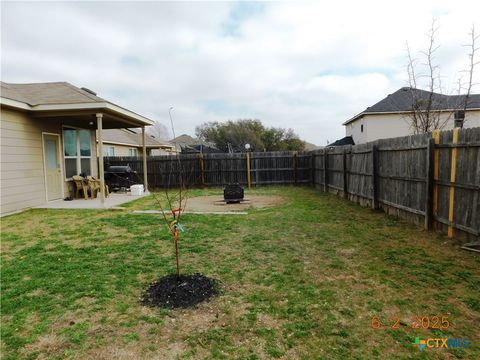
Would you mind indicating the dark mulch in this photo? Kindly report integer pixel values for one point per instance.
(183, 291)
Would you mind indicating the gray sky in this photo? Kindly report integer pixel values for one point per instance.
(305, 65)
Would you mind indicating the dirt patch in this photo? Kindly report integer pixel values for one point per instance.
(215, 203)
(182, 291)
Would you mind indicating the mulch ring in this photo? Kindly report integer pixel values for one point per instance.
(183, 291)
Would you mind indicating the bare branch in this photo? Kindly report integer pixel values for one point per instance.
(470, 70)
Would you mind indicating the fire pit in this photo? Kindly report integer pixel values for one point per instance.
(233, 193)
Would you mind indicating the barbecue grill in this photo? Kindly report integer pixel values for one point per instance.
(119, 177)
(233, 193)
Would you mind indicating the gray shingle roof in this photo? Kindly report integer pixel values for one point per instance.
(48, 93)
(402, 101)
(122, 136)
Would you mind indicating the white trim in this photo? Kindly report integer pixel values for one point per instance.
(59, 157)
(79, 157)
(14, 103)
(135, 150)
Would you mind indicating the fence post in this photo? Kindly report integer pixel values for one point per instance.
(325, 170)
(344, 172)
(374, 177)
(429, 184)
(312, 166)
(154, 170)
(436, 157)
(249, 180)
(295, 167)
(202, 169)
(453, 173)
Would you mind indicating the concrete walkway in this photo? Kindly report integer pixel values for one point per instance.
(112, 201)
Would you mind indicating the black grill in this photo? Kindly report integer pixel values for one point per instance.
(233, 193)
(119, 177)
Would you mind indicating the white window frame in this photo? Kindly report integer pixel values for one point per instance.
(78, 157)
(135, 150)
(109, 148)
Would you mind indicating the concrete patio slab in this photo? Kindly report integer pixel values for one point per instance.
(113, 201)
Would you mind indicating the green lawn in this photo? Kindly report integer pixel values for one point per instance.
(300, 281)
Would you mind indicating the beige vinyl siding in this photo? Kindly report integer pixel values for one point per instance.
(22, 174)
(382, 126)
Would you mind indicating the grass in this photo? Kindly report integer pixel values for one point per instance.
(302, 280)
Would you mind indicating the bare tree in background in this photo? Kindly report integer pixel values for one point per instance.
(159, 131)
(427, 107)
(425, 115)
(460, 118)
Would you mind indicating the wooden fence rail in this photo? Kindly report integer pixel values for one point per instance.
(430, 179)
(200, 170)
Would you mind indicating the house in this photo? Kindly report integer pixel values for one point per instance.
(392, 116)
(50, 132)
(127, 142)
(188, 145)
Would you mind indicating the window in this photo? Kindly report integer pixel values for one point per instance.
(361, 128)
(77, 144)
(108, 151)
(132, 152)
(459, 118)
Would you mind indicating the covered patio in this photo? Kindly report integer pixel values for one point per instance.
(55, 131)
(97, 118)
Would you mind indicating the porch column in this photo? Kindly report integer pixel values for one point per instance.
(144, 145)
(101, 174)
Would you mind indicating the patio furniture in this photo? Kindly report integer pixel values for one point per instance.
(81, 184)
(94, 185)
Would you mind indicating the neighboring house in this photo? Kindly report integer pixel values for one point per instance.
(125, 142)
(391, 117)
(48, 134)
(188, 144)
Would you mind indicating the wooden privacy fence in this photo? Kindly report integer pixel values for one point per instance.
(431, 179)
(265, 168)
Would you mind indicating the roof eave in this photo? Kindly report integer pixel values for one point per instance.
(356, 117)
(14, 104)
(99, 106)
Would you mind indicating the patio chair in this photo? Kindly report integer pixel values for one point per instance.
(94, 185)
(81, 184)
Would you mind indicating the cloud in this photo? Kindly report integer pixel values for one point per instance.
(305, 65)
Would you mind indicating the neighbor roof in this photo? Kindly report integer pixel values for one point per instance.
(347, 140)
(60, 96)
(401, 101)
(127, 137)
